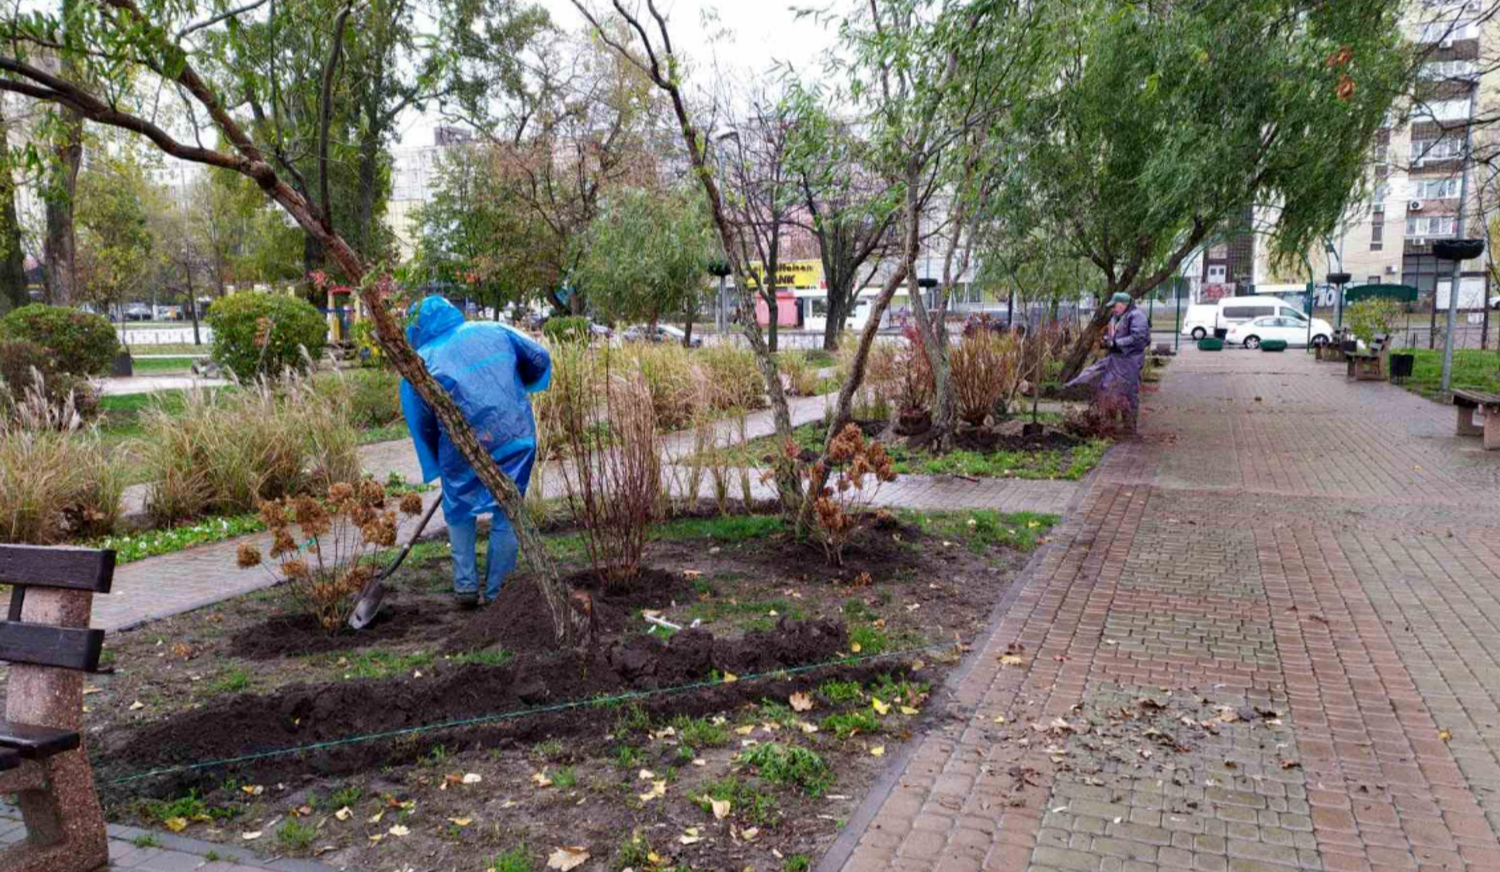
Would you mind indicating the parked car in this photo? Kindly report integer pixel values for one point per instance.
(1495, 302)
(138, 312)
(659, 334)
(1293, 330)
(1203, 319)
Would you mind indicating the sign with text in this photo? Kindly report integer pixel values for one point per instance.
(794, 274)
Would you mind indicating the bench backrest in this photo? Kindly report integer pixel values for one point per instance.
(75, 569)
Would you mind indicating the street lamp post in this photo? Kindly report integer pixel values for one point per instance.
(1458, 250)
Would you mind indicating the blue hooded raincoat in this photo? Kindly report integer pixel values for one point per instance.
(488, 369)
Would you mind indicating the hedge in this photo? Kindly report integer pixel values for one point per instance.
(264, 334)
(81, 343)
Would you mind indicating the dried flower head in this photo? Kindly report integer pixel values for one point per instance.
(247, 556)
(372, 493)
(411, 503)
(263, 326)
(296, 570)
(282, 543)
(341, 492)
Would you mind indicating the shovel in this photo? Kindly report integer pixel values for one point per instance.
(374, 591)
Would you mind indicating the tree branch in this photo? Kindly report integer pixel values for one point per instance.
(326, 117)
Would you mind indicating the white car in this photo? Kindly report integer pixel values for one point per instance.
(1293, 330)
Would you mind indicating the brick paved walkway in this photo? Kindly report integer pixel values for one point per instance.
(1264, 639)
(159, 587)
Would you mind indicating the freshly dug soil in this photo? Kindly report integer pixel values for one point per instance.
(397, 714)
(987, 439)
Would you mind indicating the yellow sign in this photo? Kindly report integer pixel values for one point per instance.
(792, 274)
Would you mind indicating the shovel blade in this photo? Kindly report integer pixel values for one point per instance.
(368, 606)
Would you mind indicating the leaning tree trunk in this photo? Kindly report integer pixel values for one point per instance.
(12, 258)
(59, 246)
(1088, 340)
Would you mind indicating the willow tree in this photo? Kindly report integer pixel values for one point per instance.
(1167, 121)
(187, 46)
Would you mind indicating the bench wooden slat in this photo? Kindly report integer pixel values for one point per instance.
(36, 743)
(1475, 398)
(89, 569)
(46, 645)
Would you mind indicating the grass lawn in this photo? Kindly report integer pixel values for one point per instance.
(161, 365)
(1472, 370)
(185, 348)
(1047, 465)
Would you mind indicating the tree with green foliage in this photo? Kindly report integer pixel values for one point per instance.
(12, 255)
(647, 256)
(116, 253)
(1167, 122)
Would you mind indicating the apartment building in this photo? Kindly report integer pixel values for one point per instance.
(415, 176)
(1417, 167)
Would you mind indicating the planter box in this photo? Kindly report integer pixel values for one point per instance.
(1273, 345)
(1210, 345)
(123, 366)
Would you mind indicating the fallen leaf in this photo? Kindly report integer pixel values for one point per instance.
(375, 818)
(730, 677)
(473, 778)
(377, 837)
(176, 824)
(398, 831)
(250, 837)
(460, 822)
(253, 789)
(89, 690)
(855, 648)
(700, 762)
(1009, 660)
(877, 751)
(880, 707)
(564, 859)
(999, 719)
(658, 789)
(137, 706)
(750, 834)
(917, 665)
(344, 813)
(1445, 735)
(646, 775)
(691, 573)
(807, 728)
(800, 702)
(745, 730)
(720, 807)
(908, 710)
(690, 837)
(540, 779)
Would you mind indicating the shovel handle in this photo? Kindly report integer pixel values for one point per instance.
(416, 534)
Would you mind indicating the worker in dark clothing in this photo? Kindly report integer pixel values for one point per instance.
(1116, 377)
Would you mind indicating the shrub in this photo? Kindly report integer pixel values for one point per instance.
(373, 396)
(985, 370)
(265, 334)
(798, 372)
(880, 386)
(860, 469)
(1373, 317)
(25, 365)
(916, 387)
(736, 377)
(572, 328)
(339, 551)
(224, 452)
(82, 344)
(57, 482)
(789, 765)
(613, 487)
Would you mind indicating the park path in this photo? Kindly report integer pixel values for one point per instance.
(1266, 637)
(159, 587)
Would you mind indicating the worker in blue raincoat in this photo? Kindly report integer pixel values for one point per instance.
(1116, 377)
(489, 370)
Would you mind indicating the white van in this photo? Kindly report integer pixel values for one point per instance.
(1203, 319)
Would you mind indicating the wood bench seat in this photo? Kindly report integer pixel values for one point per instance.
(1487, 406)
(1370, 364)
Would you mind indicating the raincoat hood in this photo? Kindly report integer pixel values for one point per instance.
(436, 317)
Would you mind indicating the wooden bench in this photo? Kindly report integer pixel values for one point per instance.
(1332, 351)
(1370, 364)
(47, 640)
(1488, 405)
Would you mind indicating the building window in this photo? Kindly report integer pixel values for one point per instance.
(1433, 225)
(1427, 150)
(1442, 110)
(1445, 70)
(1382, 154)
(1448, 31)
(1372, 280)
(1377, 232)
(1434, 189)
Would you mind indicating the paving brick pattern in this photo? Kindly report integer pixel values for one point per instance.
(1272, 626)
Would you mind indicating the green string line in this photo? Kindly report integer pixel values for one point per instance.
(512, 715)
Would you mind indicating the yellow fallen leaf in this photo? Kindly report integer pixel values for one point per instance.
(540, 779)
(460, 822)
(805, 727)
(908, 710)
(690, 837)
(563, 859)
(658, 789)
(137, 706)
(750, 834)
(344, 813)
(916, 665)
(646, 775)
(250, 837)
(1009, 660)
(377, 837)
(89, 690)
(745, 730)
(699, 761)
(999, 719)
(253, 789)
(473, 778)
(720, 807)
(856, 648)
(654, 858)
(880, 707)
(176, 824)
(730, 677)
(509, 803)
(1445, 735)
(877, 751)
(375, 818)
(399, 830)
(800, 702)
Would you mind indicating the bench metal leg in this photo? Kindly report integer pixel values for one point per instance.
(1466, 425)
(64, 823)
(1492, 429)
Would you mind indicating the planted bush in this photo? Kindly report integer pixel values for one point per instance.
(985, 369)
(225, 452)
(57, 481)
(737, 375)
(327, 550)
(668, 371)
(799, 373)
(860, 467)
(572, 328)
(81, 343)
(373, 396)
(1373, 317)
(259, 335)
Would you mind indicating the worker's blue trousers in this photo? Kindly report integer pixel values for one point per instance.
(502, 555)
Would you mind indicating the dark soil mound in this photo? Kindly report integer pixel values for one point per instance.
(986, 439)
(300, 635)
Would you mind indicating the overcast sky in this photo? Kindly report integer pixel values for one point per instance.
(748, 38)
